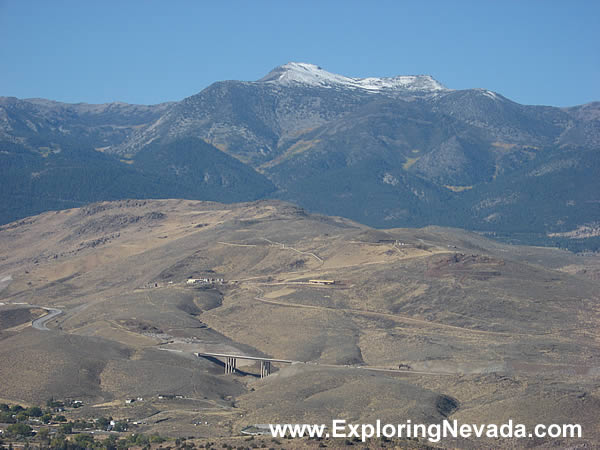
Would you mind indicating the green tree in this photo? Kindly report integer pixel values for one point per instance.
(46, 418)
(6, 417)
(59, 441)
(84, 440)
(142, 440)
(110, 443)
(51, 403)
(102, 423)
(18, 430)
(66, 428)
(22, 416)
(120, 426)
(34, 411)
(16, 408)
(43, 434)
(122, 444)
(80, 424)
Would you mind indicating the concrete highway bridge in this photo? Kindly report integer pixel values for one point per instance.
(230, 361)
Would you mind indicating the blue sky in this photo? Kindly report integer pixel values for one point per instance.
(534, 52)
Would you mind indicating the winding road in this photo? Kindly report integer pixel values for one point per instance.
(40, 324)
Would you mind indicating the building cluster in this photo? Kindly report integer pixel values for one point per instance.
(322, 282)
(192, 281)
(170, 396)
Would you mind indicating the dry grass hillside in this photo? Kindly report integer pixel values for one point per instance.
(483, 332)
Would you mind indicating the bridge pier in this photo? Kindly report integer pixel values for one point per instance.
(265, 368)
(231, 361)
(230, 364)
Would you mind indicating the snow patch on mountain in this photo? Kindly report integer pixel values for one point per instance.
(490, 94)
(309, 74)
(388, 178)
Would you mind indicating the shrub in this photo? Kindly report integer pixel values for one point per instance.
(157, 439)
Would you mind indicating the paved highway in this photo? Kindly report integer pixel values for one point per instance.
(333, 366)
(40, 324)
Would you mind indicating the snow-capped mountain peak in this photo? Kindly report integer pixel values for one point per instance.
(312, 75)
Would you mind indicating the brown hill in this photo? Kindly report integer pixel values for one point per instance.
(496, 331)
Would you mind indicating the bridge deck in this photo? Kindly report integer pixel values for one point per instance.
(253, 358)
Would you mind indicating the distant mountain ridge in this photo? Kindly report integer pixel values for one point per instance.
(395, 151)
(312, 75)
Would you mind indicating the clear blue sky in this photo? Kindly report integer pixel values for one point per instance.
(534, 52)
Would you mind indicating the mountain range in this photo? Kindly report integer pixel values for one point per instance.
(387, 152)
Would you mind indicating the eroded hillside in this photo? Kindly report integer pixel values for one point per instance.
(381, 324)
